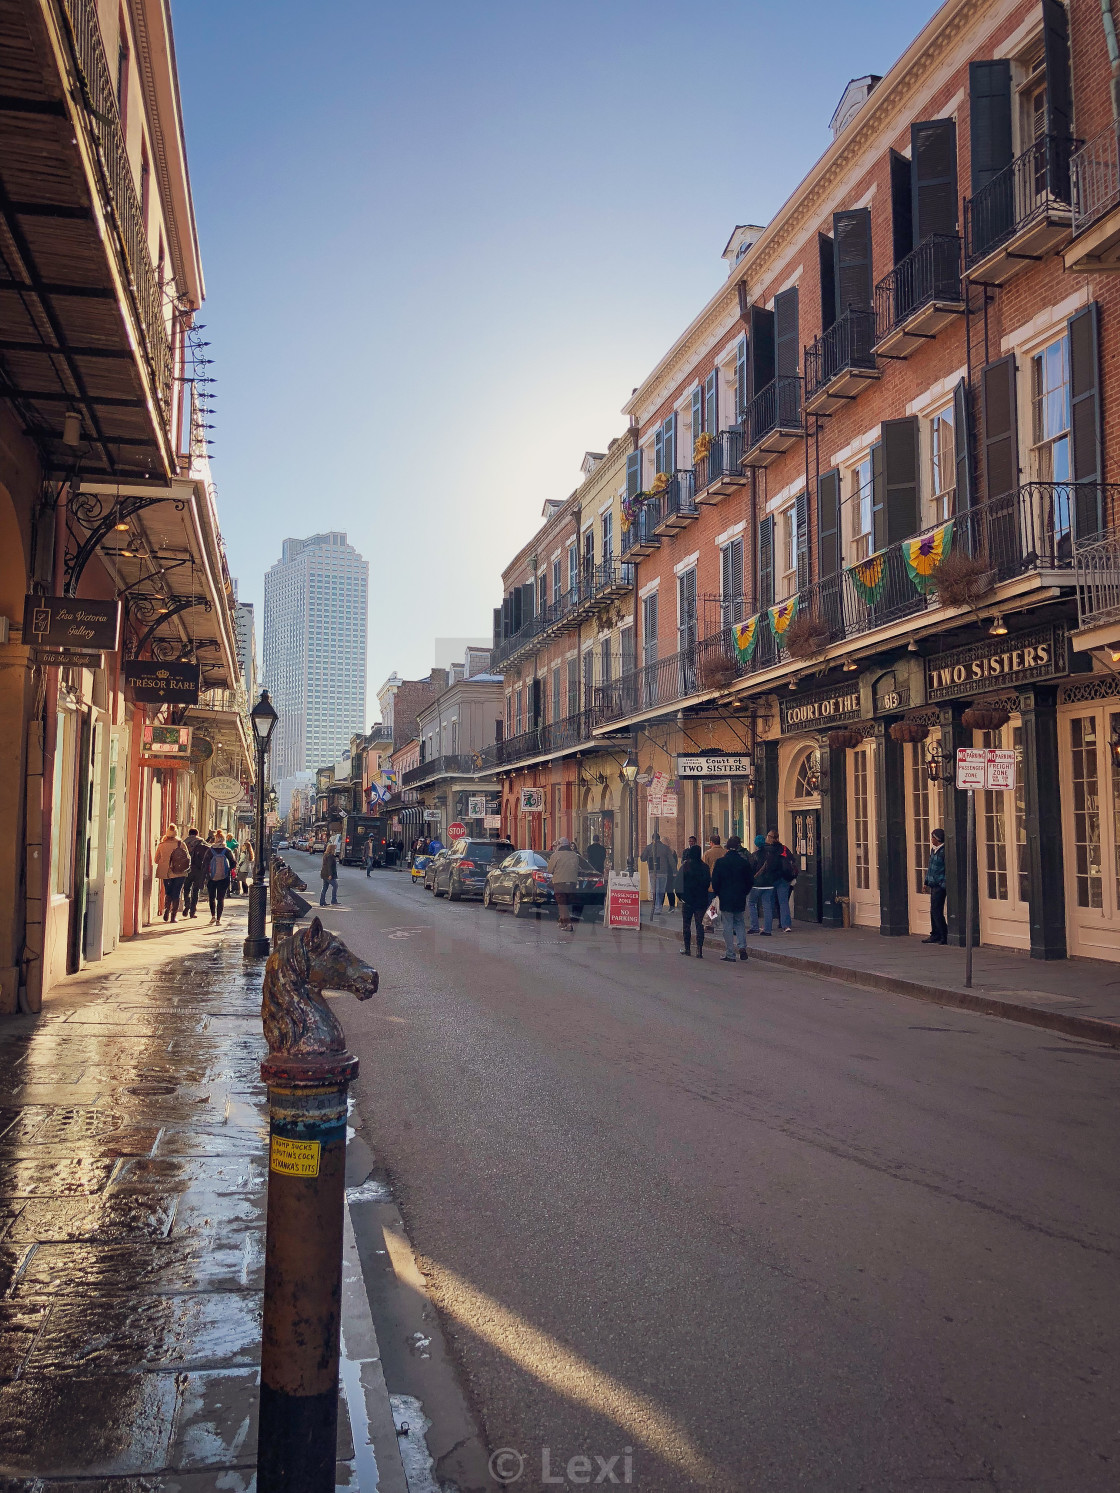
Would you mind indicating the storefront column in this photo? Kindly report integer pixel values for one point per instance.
(890, 819)
(954, 735)
(834, 834)
(766, 787)
(1042, 799)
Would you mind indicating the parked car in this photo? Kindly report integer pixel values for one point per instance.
(281, 844)
(420, 864)
(430, 869)
(522, 883)
(462, 870)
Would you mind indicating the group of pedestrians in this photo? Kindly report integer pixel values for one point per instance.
(184, 867)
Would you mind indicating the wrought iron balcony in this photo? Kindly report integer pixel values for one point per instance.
(719, 471)
(773, 422)
(1096, 568)
(676, 503)
(840, 361)
(1022, 213)
(1095, 179)
(919, 296)
(641, 537)
(542, 740)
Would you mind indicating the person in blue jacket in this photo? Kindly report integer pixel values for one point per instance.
(935, 880)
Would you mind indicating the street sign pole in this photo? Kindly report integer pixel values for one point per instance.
(970, 887)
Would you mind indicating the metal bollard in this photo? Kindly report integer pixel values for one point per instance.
(303, 1273)
(308, 1072)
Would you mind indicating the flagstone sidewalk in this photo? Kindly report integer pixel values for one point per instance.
(133, 1154)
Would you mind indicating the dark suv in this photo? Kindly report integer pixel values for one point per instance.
(461, 872)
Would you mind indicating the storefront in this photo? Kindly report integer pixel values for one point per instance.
(1089, 752)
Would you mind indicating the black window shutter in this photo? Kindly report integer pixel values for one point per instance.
(711, 403)
(697, 412)
(659, 450)
(902, 210)
(933, 158)
(1085, 420)
(633, 474)
(826, 254)
(828, 523)
(989, 106)
(802, 510)
(900, 478)
(497, 626)
(741, 377)
(516, 619)
(787, 333)
(669, 445)
(1000, 428)
(765, 563)
(962, 436)
(528, 605)
(878, 499)
(507, 616)
(1059, 92)
(762, 350)
(851, 233)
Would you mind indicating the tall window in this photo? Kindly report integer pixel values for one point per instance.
(1050, 414)
(605, 661)
(608, 536)
(919, 817)
(588, 675)
(649, 628)
(860, 499)
(556, 578)
(626, 652)
(788, 542)
(861, 804)
(573, 567)
(557, 709)
(731, 582)
(542, 592)
(517, 711)
(686, 611)
(589, 554)
(943, 465)
(573, 686)
(1088, 877)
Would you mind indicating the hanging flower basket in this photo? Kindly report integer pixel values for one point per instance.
(717, 671)
(984, 718)
(807, 634)
(701, 446)
(962, 579)
(844, 738)
(905, 730)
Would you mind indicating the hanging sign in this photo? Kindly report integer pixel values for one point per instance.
(166, 741)
(58, 658)
(623, 901)
(492, 821)
(65, 622)
(702, 766)
(153, 683)
(1040, 654)
(532, 800)
(664, 807)
(476, 807)
(224, 791)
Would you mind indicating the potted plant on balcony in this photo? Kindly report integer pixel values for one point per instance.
(962, 579)
(807, 634)
(701, 446)
(717, 671)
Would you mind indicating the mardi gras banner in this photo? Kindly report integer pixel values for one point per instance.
(925, 554)
(868, 577)
(781, 617)
(745, 635)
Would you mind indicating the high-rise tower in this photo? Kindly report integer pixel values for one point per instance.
(315, 600)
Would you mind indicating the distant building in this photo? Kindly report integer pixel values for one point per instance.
(315, 608)
(401, 701)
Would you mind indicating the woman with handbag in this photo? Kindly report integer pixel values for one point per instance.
(172, 862)
(245, 863)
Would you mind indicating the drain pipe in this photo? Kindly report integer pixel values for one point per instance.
(1109, 23)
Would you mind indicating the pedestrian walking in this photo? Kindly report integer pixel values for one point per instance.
(694, 882)
(563, 867)
(196, 876)
(766, 866)
(597, 854)
(218, 873)
(656, 857)
(435, 845)
(245, 859)
(935, 880)
(172, 863)
(787, 879)
(328, 873)
(671, 878)
(713, 852)
(367, 857)
(732, 882)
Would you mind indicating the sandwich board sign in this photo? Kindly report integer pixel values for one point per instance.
(623, 904)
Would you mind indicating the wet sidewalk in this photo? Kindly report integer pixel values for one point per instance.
(1079, 997)
(133, 1155)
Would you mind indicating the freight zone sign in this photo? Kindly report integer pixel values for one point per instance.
(990, 768)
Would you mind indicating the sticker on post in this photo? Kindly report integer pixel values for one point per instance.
(294, 1158)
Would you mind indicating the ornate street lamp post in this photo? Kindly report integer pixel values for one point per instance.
(630, 773)
(264, 719)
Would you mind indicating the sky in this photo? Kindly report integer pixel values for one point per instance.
(443, 242)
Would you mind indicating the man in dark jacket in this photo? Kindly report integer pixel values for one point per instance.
(196, 876)
(732, 879)
(328, 873)
(767, 866)
(935, 880)
(693, 888)
(597, 854)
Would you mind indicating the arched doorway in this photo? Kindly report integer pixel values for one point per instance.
(800, 828)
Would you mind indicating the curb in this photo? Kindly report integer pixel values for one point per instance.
(1090, 1028)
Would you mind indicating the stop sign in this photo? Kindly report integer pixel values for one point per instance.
(456, 831)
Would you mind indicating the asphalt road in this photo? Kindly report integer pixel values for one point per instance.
(764, 1231)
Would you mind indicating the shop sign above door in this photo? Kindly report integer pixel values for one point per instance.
(702, 765)
(826, 707)
(1014, 659)
(153, 683)
(65, 622)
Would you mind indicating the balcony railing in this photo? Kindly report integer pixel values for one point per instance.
(929, 274)
(594, 585)
(1096, 566)
(777, 408)
(1027, 531)
(722, 461)
(641, 532)
(847, 346)
(119, 190)
(439, 767)
(676, 502)
(549, 736)
(1035, 185)
(1095, 178)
